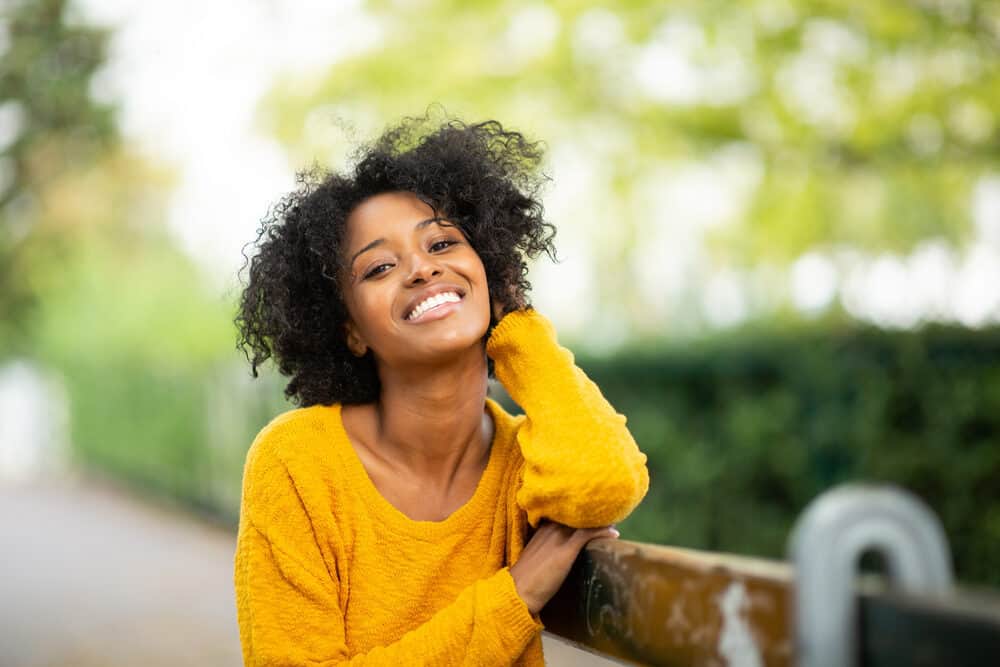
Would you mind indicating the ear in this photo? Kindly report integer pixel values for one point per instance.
(355, 342)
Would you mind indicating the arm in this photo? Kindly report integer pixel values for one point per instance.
(581, 466)
(288, 601)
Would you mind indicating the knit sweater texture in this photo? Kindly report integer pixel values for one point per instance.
(328, 572)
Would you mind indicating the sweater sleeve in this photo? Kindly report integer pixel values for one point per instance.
(581, 466)
(288, 600)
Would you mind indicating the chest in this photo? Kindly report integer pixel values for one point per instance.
(397, 582)
(424, 499)
(419, 497)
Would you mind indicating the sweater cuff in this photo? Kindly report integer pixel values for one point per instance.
(517, 327)
(512, 611)
(529, 361)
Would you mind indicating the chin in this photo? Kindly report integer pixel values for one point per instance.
(458, 339)
(453, 339)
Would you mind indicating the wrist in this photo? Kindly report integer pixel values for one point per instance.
(529, 601)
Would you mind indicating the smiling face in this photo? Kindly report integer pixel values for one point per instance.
(416, 291)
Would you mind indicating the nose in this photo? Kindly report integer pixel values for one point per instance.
(423, 267)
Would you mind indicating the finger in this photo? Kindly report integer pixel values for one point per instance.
(611, 532)
(585, 535)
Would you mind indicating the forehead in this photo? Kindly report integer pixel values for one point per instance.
(377, 215)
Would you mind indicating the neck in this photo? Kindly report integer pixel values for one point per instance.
(431, 419)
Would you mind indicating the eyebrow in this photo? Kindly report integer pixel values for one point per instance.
(380, 241)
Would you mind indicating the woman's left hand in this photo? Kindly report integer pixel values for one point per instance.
(547, 558)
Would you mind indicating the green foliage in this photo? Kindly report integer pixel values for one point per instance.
(133, 301)
(55, 128)
(177, 432)
(892, 105)
(742, 433)
(47, 68)
(147, 357)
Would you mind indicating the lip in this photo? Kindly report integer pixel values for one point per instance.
(434, 313)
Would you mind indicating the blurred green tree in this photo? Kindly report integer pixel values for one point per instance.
(92, 286)
(50, 128)
(770, 127)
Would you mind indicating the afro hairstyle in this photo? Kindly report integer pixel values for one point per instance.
(483, 178)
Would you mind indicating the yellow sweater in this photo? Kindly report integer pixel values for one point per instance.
(328, 572)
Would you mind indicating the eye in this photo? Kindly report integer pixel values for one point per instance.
(442, 244)
(377, 270)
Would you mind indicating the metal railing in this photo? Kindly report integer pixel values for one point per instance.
(657, 605)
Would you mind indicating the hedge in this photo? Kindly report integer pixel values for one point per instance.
(743, 432)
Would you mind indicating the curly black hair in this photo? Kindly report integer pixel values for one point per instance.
(480, 176)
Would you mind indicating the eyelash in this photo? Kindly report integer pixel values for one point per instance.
(447, 242)
(375, 271)
(378, 270)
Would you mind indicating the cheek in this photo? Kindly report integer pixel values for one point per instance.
(474, 266)
(483, 282)
(366, 309)
(484, 310)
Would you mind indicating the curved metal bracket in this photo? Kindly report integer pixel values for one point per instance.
(830, 537)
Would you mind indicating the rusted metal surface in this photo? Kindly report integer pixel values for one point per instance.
(651, 605)
(667, 606)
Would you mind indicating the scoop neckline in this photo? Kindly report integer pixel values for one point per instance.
(392, 516)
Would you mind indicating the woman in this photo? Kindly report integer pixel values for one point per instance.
(400, 516)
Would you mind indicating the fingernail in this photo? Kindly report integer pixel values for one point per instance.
(615, 532)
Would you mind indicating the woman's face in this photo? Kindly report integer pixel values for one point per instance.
(415, 290)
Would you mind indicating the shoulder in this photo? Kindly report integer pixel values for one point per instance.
(293, 444)
(291, 478)
(289, 488)
(296, 431)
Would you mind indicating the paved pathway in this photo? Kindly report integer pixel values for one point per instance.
(90, 576)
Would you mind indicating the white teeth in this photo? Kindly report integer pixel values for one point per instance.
(431, 302)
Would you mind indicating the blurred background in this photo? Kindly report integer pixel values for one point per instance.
(778, 225)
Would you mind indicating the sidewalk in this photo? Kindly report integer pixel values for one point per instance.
(91, 577)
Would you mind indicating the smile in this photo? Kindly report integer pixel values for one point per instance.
(431, 303)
